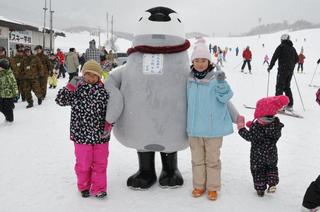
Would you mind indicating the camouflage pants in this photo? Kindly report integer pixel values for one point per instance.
(20, 86)
(31, 85)
(43, 85)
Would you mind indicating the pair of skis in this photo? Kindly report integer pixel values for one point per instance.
(285, 112)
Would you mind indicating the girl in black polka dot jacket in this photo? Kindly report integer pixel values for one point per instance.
(264, 132)
(88, 129)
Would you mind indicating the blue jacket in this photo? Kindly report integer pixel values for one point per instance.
(208, 115)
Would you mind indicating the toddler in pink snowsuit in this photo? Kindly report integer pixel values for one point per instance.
(88, 129)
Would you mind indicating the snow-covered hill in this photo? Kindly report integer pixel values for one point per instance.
(37, 159)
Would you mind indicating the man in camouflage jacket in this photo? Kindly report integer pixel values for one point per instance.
(32, 67)
(47, 69)
(16, 66)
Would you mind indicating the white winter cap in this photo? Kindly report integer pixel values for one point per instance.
(201, 50)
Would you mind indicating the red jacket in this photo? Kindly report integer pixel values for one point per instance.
(60, 56)
(246, 54)
(301, 58)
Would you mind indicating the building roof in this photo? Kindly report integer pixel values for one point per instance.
(19, 26)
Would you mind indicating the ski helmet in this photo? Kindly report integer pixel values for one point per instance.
(285, 37)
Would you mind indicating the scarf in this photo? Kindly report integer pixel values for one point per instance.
(160, 49)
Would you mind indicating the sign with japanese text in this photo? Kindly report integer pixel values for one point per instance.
(24, 37)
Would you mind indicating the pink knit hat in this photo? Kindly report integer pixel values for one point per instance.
(269, 106)
(201, 50)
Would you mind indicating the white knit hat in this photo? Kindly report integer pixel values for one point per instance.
(201, 50)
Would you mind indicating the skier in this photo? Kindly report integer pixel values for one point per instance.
(287, 58)
(264, 132)
(266, 60)
(318, 61)
(220, 58)
(301, 61)
(247, 56)
(237, 51)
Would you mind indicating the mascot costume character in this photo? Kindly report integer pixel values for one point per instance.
(148, 97)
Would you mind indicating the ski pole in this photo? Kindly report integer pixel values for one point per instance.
(299, 92)
(237, 65)
(315, 70)
(268, 83)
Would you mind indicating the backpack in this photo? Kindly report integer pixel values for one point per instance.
(318, 96)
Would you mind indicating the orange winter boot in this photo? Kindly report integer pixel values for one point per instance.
(197, 192)
(212, 195)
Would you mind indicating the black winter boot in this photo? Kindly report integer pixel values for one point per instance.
(146, 176)
(170, 175)
(85, 193)
(260, 193)
(30, 104)
(39, 101)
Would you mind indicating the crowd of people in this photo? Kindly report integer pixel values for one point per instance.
(33, 70)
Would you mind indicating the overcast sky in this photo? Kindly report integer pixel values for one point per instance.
(208, 16)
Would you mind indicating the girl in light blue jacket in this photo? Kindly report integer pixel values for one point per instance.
(208, 121)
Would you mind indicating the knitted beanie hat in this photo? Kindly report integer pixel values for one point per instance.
(93, 67)
(269, 106)
(201, 50)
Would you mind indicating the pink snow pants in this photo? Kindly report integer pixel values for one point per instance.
(91, 167)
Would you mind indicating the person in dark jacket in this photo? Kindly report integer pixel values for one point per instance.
(311, 199)
(264, 132)
(287, 58)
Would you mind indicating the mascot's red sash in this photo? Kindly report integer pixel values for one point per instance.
(160, 49)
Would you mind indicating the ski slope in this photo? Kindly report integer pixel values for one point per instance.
(37, 159)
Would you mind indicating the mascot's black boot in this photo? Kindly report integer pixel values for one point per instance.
(146, 175)
(170, 175)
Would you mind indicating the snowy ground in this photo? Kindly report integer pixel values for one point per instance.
(37, 160)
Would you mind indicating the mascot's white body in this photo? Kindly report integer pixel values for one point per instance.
(153, 90)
